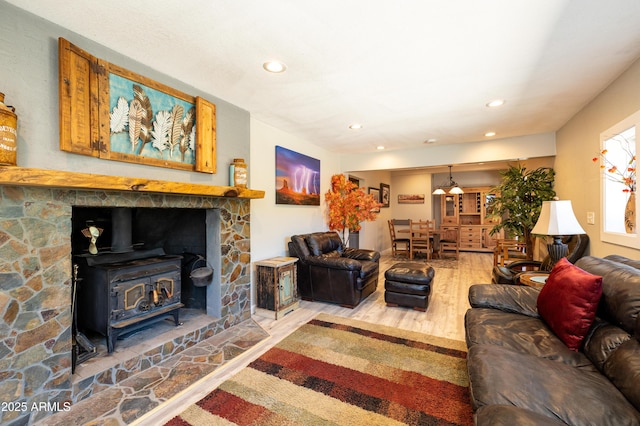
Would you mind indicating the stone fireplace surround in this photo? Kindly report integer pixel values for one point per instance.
(35, 287)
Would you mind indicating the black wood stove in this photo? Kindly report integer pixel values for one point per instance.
(122, 292)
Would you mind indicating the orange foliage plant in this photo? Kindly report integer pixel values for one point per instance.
(348, 206)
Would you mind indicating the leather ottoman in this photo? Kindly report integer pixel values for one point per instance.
(408, 284)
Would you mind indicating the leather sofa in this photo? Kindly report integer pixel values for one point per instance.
(509, 274)
(329, 272)
(521, 373)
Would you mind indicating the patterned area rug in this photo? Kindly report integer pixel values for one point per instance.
(447, 262)
(338, 371)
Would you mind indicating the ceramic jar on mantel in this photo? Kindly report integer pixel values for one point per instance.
(8, 134)
(239, 174)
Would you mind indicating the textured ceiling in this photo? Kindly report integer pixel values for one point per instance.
(408, 70)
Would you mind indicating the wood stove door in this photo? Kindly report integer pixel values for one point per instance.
(144, 295)
(165, 289)
(130, 298)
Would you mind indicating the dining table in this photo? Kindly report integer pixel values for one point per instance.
(434, 235)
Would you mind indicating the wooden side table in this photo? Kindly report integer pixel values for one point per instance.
(533, 279)
(277, 286)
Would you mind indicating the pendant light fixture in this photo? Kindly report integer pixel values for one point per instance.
(455, 189)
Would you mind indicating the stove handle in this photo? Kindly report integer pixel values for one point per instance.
(166, 292)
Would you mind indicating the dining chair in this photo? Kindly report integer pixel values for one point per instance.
(449, 242)
(508, 251)
(399, 245)
(431, 226)
(419, 238)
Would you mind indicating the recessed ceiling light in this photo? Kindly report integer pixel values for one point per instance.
(495, 103)
(490, 134)
(274, 67)
(430, 141)
(355, 126)
(380, 147)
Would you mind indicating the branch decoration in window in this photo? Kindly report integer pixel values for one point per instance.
(620, 165)
(617, 159)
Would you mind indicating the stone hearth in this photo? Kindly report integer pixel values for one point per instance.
(35, 291)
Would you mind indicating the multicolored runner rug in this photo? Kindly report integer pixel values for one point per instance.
(338, 371)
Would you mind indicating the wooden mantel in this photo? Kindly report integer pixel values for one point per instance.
(25, 176)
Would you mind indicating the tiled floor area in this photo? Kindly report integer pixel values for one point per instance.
(133, 397)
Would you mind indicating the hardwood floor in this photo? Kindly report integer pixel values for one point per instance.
(444, 317)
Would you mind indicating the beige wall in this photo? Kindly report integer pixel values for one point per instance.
(411, 182)
(272, 225)
(578, 141)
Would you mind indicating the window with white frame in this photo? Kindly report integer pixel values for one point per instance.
(618, 182)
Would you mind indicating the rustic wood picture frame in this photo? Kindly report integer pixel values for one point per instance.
(179, 134)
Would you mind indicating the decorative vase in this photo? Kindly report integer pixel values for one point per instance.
(8, 133)
(240, 175)
(630, 214)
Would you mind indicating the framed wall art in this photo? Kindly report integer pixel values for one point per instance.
(376, 195)
(411, 199)
(297, 178)
(385, 194)
(109, 112)
(148, 123)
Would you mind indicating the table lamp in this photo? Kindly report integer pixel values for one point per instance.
(556, 220)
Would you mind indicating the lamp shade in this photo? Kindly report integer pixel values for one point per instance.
(456, 190)
(557, 218)
(438, 191)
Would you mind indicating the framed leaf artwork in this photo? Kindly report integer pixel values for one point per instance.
(109, 112)
(147, 123)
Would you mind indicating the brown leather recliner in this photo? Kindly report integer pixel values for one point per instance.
(328, 272)
(509, 274)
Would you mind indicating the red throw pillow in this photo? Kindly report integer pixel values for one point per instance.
(568, 302)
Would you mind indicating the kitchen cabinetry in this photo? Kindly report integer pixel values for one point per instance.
(468, 213)
(449, 206)
(470, 237)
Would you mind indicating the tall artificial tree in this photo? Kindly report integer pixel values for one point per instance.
(519, 200)
(349, 206)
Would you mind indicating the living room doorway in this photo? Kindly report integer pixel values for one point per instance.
(354, 236)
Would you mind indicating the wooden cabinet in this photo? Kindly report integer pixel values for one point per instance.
(468, 212)
(488, 240)
(277, 286)
(449, 207)
(470, 237)
(470, 208)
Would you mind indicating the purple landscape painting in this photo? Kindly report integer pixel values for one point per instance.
(297, 178)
